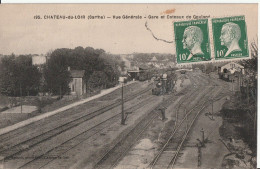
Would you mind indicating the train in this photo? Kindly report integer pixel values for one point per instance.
(164, 79)
(164, 84)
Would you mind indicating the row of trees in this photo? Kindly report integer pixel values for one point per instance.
(19, 77)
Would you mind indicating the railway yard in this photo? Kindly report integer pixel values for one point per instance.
(91, 135)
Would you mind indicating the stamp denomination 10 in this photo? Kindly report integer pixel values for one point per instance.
(192, 41)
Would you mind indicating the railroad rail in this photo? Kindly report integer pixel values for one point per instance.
(12, 150)
(6, 137)
(168, 154)
(40, 161)
(111, 158)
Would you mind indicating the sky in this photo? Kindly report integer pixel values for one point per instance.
(20, 33)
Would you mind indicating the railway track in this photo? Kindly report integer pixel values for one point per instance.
(58, 151)
(111, 158)
(56, 119)
(168, 154)
(12, 150)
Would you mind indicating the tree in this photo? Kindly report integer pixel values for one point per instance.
(7, 76)
(56, 73)
(95, 62)
(29, 76)
(18, 76)
(251, 64)
(112, 66)
(97, 80)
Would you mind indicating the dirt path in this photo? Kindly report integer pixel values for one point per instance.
(21, 121)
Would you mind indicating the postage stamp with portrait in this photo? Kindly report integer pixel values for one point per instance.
(230, 37)
(192, 41)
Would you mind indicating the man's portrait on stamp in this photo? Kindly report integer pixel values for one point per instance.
(230, 37)
(192, 41)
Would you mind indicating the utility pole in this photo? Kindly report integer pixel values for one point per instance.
(232, 82)
(203, 138)
(239, 82)
(60, 91)
(212, 108)
(176, 117)
(186, 120)
(21, 98)
(123, 113)
(247, 91)
(199, 154)
(242, 86)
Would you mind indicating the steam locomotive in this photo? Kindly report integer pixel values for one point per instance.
(164, 84)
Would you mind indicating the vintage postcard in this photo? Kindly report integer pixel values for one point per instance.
(126, 86)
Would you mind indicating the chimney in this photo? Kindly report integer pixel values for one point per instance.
(68, 68)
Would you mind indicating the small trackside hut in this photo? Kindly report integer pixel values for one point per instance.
(78, 84)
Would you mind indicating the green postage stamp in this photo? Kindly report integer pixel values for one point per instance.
(192, 41)
(230, 38)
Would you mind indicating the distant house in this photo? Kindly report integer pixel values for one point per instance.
(154, 62)
(154, 59)
(78, 84)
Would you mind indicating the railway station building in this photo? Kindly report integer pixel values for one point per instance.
(231, 67)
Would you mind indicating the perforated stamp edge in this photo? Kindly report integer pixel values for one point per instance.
(212, 47)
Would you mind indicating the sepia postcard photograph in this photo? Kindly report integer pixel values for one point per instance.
(128, 86)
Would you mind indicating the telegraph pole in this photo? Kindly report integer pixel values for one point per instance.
(122, 80)
(199, 155)
(247, 90)
(123, 113)
(212, 108)
(255, 117)
(232, 82)
(203, 138)
(21, 98)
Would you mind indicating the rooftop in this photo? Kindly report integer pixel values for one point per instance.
(154, 59)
